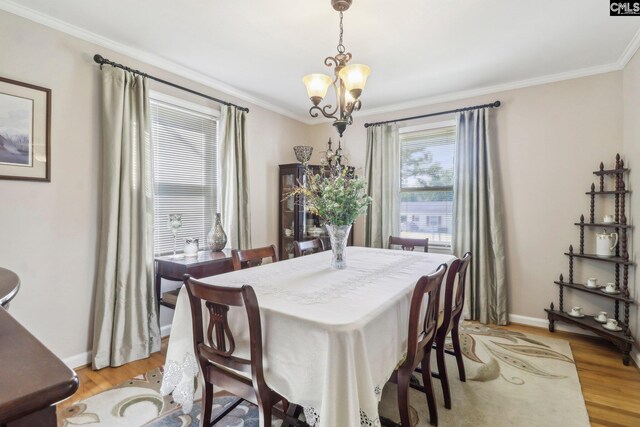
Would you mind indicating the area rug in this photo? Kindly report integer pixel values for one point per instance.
(513, 379)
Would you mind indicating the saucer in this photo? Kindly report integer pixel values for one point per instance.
(599, 321)
(616, 329)
(591, 287)
(579, 316)
(610, 293)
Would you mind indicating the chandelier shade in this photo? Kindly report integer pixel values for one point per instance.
(354, 77)
(317, 86)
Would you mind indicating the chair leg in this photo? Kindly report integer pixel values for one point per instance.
(442, 373)
(264, 412)
(207, 404)
(456, 349)
(403, 398)
(428, 388)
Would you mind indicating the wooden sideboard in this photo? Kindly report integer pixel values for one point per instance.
(206, 264)
(32, 378)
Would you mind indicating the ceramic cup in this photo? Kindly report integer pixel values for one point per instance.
(576, 311)
(602, 316)
(611, 287)
(592, 282)
(608, 219)
(612, 323)
(288, 232)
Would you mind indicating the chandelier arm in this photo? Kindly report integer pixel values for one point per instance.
(313, 113)
(330, 61)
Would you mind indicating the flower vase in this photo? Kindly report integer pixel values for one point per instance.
(217, 239)
(338, 234)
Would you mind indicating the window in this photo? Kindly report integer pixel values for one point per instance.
(184, 140)
(426, 182)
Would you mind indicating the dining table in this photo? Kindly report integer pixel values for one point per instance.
(331, 338)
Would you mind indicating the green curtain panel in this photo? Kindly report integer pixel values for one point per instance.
(382, 172)
(126, 318)
(235, 177)
(478, 221)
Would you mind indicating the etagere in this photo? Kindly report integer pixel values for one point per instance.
(622, 339)
(296, 222)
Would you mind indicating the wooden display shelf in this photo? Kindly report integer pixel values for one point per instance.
(620, 339)
(611, 171)
(595, 291)
(611, 259)
(604, 224)
(608, 192)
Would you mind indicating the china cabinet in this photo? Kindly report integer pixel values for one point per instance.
(614, 253)
(296, 222)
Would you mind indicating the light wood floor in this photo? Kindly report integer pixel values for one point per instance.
(611, 390)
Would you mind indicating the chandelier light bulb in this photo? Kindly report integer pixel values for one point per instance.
(317, 86)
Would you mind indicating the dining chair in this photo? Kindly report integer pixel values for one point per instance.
(307, 247)
(247, 258)
(242, 377)
(407, 244)
(420, 340)
(450, 321)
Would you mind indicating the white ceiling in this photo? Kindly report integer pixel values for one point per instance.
(417, 49)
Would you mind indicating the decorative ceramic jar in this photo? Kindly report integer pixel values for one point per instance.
(217, 239)
(338, 234)
(303, 153)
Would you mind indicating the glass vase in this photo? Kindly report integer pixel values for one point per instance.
(217, 238)
(338, 234)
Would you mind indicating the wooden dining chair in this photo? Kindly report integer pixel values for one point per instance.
(242, 377)
(407, 244)
(420, 341)
(247, 258)
(453, 305)
(307, 247)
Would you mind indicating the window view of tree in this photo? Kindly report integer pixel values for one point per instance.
(426, 176)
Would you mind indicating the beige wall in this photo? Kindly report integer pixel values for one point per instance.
(549, 138)
(49, 232)
(631, 90)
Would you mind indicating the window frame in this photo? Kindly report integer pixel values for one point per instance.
(420, 128)
(170, 101)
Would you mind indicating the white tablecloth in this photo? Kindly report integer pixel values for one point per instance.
(331, 338)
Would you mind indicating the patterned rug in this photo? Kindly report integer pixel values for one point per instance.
(513, 379)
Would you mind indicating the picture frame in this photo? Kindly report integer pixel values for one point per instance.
(25, 131)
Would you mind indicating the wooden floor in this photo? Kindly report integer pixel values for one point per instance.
(611, 390)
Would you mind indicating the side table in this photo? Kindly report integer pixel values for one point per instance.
(206, 264)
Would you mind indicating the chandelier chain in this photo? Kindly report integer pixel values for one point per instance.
(341, 48)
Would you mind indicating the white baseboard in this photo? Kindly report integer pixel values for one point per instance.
(544, 323)
(84, 359)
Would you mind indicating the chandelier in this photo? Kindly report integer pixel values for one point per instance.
(348, 82)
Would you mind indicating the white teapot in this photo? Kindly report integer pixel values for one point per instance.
(606, 243)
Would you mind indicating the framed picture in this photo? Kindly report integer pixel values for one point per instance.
(25, 114)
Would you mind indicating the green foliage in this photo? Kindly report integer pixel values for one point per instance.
(338, 198)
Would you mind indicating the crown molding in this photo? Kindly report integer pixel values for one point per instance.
(198, 77)
(142, 56)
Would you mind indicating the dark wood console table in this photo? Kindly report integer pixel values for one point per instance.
(32, 378)
(9, 285)
(206, 264)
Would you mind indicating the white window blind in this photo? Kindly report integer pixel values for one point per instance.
(185, 173)
(426, 184)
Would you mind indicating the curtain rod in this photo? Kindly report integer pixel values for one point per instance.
(475, 107)
(101, 60)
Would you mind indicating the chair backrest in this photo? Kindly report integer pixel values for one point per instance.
(453, 304)
(247, 258)
(307, 247)
(408, 244)
(421, 336)
(219, 345)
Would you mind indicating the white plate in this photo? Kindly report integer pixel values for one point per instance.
(580, 316)
(610, 293)
(599, 321)
(617, 328)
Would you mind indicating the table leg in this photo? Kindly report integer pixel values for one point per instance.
(158, 283)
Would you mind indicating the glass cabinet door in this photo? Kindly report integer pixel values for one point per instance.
(288, 215)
